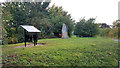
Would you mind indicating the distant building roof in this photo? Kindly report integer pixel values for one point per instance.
(30, 28)
(104, 25)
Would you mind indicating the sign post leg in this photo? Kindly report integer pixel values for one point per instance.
(25, 37)
(34, 39)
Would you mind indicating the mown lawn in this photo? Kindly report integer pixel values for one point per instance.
(63, 52)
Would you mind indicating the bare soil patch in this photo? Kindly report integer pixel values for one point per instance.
(30, 45)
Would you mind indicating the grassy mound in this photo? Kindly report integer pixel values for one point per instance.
(63, 52)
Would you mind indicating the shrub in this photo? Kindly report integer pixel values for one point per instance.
(104, 32)
(109, 32)
(86, 28)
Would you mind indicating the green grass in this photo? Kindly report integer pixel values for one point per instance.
(63, 52)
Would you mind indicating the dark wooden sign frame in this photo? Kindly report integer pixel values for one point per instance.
(34, 35)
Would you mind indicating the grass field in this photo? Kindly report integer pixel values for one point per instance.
(63, 52)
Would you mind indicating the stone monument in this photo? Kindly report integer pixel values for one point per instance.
(64, 32)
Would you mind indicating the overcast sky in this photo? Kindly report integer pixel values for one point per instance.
(105, 11)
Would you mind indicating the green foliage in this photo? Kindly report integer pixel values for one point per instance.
(113, 32)
(20, 36)
(104, 32)
(86, 28)
(58, 52)
(109, 32)
(48, 21)
(58, 17)
(24, 13)
(116, 24)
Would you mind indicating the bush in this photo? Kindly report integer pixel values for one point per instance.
(109, 32)
(10, 40)
(86, 28)
(104, 32)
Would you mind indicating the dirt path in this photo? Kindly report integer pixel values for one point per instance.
(30, 45)
(116, 40)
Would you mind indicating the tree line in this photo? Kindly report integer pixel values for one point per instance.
(114, 32)
(48, 20)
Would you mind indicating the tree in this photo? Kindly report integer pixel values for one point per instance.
(116, 24)
(86, 28)
(39, 17)
(58, 16)
(22, 13)
(48, 20)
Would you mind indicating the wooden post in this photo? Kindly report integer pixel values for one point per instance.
(34, 39)
(25, 37)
